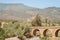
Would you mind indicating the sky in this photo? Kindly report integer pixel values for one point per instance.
(35, 3)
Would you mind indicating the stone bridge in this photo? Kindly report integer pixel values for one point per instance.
(42, 30)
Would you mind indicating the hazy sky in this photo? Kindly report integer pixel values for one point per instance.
(35, 3)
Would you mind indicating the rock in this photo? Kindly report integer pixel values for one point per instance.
(12, 38)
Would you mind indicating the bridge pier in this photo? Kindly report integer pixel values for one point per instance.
(41, 32)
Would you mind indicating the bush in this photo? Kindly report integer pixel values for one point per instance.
(53, 24)
(15, 29)
(2, 34)
(43, 38)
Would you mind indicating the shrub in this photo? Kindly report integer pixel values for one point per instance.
(2, 34)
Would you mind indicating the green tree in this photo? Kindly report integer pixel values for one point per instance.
(37, 21)
(0, 24)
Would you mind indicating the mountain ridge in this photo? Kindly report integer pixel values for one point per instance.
(21, 11)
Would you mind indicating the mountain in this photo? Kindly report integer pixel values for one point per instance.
(23, 12)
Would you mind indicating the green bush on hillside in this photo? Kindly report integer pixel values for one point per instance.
(2, 34)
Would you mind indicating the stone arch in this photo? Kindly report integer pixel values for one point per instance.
(47, 33)
(57, 33)
(36, 30)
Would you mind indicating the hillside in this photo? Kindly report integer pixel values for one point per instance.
(21, 11)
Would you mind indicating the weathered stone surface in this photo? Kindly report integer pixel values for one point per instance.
(12, 38)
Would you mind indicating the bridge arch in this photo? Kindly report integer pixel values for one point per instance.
(47, 33)
(57, 33)
(36, 32)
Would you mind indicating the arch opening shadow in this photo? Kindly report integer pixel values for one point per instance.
(57, 33)
(47, 33)
(35, 32)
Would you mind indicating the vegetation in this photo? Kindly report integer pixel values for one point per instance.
(59, 34)
(2, 34)
(15, 29)
(43, 38)
(37, 21)
(18, 28)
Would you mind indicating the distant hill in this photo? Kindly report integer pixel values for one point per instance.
(21, 11)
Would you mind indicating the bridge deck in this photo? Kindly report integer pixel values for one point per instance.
(40, 27)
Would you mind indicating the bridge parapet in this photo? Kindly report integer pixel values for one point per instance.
(52, 27)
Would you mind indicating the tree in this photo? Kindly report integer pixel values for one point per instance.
(0, 24)
(46, 20)
(36, 21)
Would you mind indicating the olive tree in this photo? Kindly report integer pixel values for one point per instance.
(37, 21)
